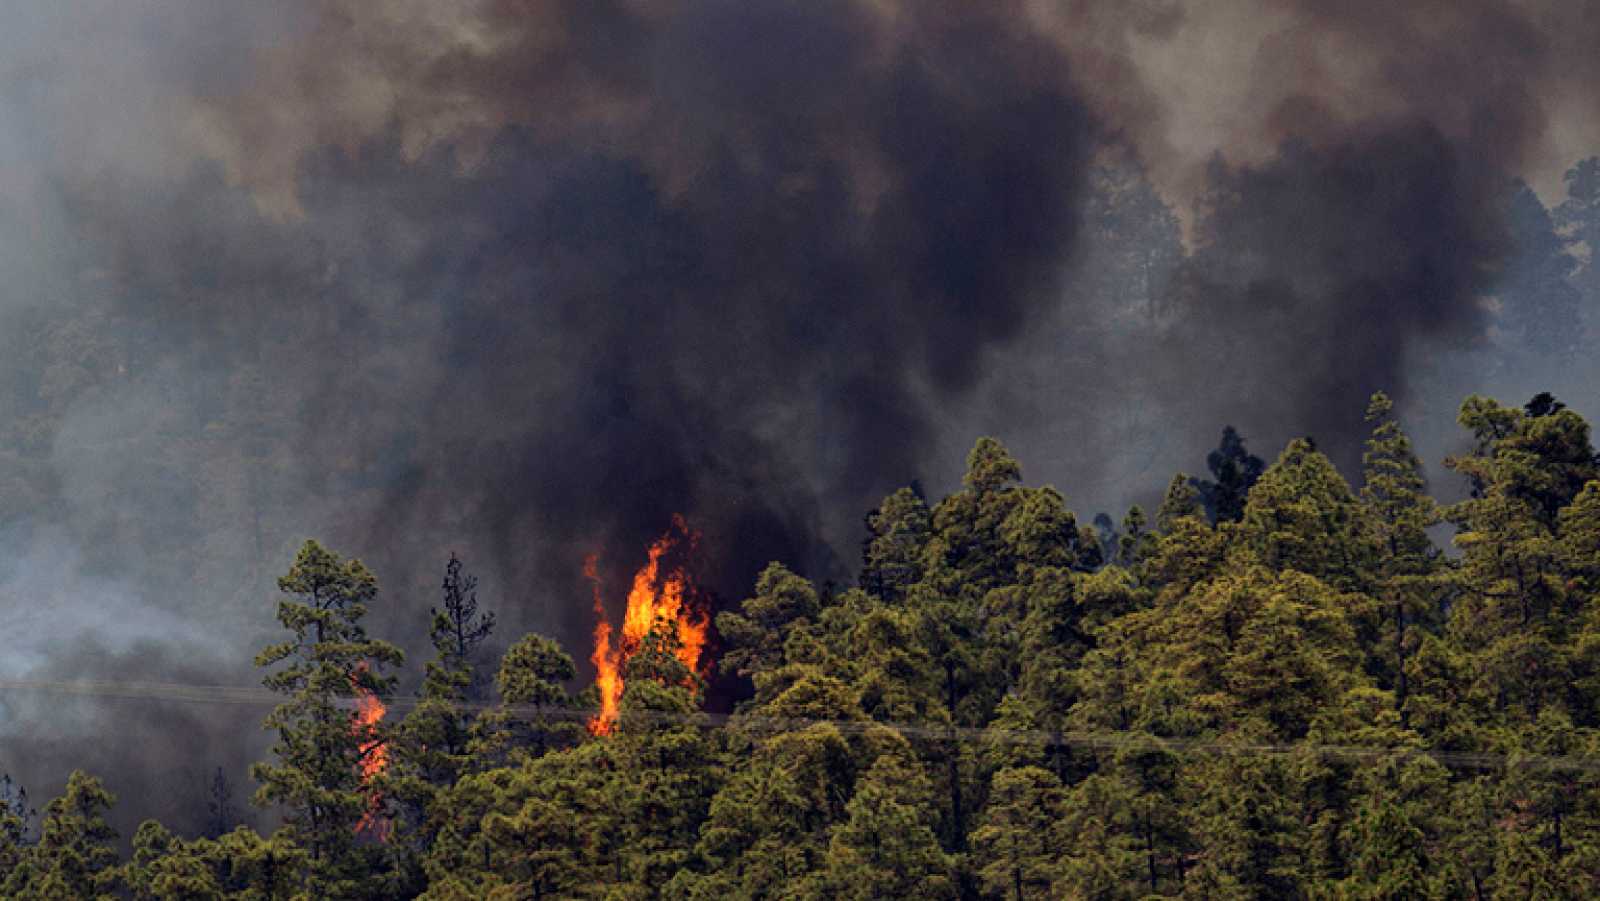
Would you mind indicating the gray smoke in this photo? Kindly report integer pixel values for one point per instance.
(523, 279)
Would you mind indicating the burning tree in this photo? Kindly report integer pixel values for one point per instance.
(662, 600)
(327, 753)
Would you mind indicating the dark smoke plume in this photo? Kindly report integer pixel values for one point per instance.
(1370, 237)
(523, 278)
(725, 262)
(1324, 269)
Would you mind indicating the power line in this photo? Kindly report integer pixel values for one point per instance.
(1089, 740)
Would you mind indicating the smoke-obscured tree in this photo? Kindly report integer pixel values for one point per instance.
(221, 815)
(318, 776)
(1233, 470)
(1106, 532)
(457, 632)
(1578, 217)
(1539, 302)
(434, 742)
(16, 821)
(15, 816)
(1133, 240)
(1135, 541)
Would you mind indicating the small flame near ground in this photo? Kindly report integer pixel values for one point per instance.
(661, 593)
(374, 755)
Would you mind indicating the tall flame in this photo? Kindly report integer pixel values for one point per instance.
(657, 596)
(374, 754)
(607, 668)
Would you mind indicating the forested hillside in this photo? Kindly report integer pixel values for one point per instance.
(1275, 685)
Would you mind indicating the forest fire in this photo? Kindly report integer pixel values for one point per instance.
(662, 592)
(374, 755)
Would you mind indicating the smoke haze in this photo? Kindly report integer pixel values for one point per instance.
(522, 279)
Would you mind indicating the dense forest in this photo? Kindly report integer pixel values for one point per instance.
(585, 340)
(1277, 685)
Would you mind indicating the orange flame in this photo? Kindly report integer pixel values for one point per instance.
(655, 597)
(607, 668)
(374, 754)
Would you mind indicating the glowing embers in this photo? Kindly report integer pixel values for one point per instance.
(662, 593)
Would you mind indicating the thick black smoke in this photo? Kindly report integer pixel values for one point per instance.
(1366, 244)
(574, 340)
(745, 306)
(523, 278)
(1324, 270)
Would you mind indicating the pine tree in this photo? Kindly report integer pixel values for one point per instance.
(74, 857)
(165, 867)
(892, 556)
(1233, 471)
(1394, 834)
(665, 772)
(533, 676)
(1539, 300)
(1399, 512)
(322, 748)
(542, 828)
(432, 744)
(1187, 549)
(1515, 614)
(767, 829)
(886, 847)
(754, 637)
(1181, 500)
(1579, 219)
(1119, 837)
(1250, 835)
(16, 819)
(1017, 844)
(1302, 515)
(456, 632)
(221, 817)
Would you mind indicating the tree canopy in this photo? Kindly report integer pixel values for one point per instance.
(1279, 687)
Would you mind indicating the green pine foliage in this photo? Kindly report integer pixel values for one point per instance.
(1278, 687)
